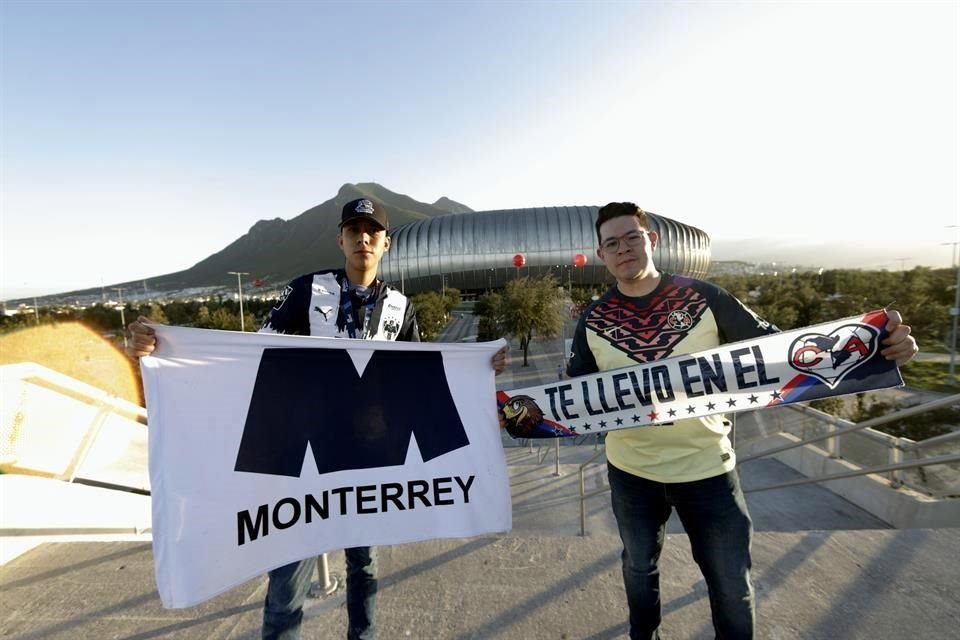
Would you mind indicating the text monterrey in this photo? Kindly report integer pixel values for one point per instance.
(358, 500)
(351, 421)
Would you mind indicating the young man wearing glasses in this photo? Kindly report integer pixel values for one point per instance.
(687, 465)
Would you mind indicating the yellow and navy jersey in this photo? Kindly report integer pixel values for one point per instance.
(682, 315)
(316, 304)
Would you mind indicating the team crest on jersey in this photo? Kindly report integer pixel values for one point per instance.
(832, 357)
(391, 316)
(679, 320)
(391, 328)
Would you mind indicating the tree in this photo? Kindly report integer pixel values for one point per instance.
(154, 312)
(451, 298)
(488, 308)
(583, 296)
(202, 319)
(923, 297)
(431, 312)
(532, 306)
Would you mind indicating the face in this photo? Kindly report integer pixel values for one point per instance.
(625, 262)
(363, 244)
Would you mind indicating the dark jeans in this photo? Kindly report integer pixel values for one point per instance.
(714, 515)
(289, 585)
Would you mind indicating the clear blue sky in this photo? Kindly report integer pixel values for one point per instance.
(137, 138)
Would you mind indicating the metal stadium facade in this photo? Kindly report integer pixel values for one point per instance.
(475, 251)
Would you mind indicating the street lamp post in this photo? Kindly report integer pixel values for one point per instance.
(953, 340)
(239, 291)
(953, 257)
(955, 311)
(123, 319)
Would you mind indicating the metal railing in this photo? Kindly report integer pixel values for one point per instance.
(895, 464)
(583, 490)
(844, 430)
(105, 405)
(874, 451)
(904, 445)
(858, 472)
(71, 387)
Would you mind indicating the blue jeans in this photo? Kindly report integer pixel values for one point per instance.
(289, 585)
(714, 515)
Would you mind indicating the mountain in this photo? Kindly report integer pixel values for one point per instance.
(282, 249)
(446, 204)
(278, 250)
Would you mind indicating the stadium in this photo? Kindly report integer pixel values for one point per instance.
(479, 251)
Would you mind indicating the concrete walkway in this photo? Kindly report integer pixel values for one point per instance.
(823, 585)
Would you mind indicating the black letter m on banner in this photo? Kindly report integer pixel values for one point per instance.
(351, 421)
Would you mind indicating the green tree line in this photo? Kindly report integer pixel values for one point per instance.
(525, 306)
(433, 312)
(923, 296)
(216, 313)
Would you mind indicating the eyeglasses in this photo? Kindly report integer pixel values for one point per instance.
(612, 245)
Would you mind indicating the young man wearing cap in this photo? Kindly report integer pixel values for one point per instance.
(338, 303)
(687, 465)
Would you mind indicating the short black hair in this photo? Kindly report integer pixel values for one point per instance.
(617, 209)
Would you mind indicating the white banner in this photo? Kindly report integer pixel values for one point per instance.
(266, 449)
(831, 359)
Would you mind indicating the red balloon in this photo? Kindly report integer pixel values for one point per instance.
(579, 260)
(519, 260)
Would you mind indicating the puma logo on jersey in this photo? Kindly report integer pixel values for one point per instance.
(324, 311)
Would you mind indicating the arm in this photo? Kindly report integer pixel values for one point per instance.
(582, 361)
(288, 315)
(409, 332)
(736, 321)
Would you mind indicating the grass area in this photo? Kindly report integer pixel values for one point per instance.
(935, 347)
(930, 376)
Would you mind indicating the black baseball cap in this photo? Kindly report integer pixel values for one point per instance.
(364, 208)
